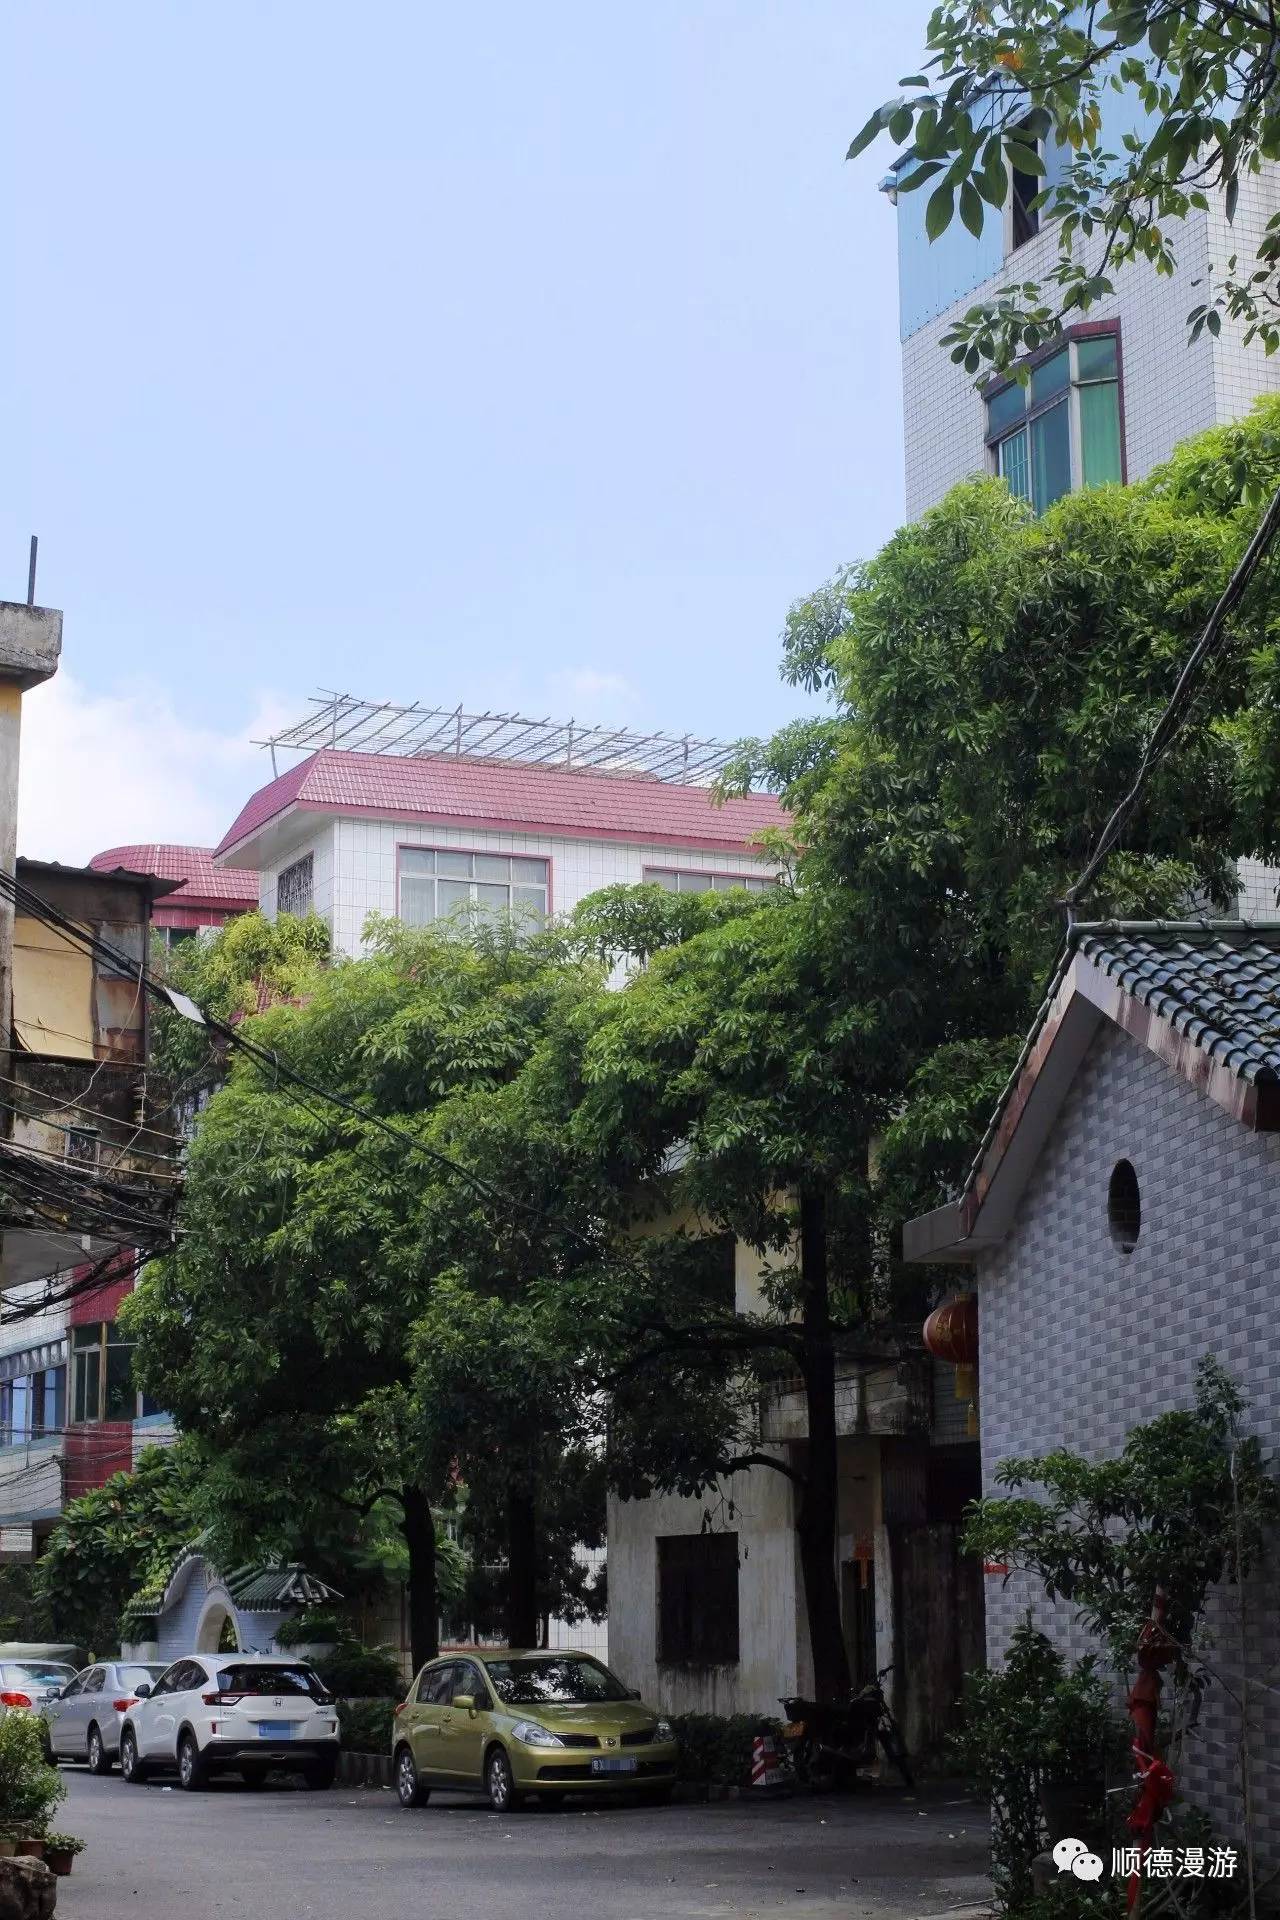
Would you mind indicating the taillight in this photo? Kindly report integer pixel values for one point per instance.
(14, 1700)
(123, 1706)
(221, 1699)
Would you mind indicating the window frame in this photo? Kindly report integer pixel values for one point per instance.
(307, 860)
(753, 882)
(1066, 341)
(103, 1347)
(469, 853)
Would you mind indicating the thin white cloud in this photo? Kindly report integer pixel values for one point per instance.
(98, 770)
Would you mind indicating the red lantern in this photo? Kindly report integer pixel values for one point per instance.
(951, 1333)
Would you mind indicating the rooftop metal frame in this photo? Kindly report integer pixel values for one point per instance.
(344, 723)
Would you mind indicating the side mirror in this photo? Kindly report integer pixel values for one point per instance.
(634, 1693)
(465, 1701)
(143, 1692)
(53, 1693)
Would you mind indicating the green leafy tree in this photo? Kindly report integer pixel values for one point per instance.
(992, 680)
(117, 1541)
(250, 963)
(282, 1330)
(1150, 107)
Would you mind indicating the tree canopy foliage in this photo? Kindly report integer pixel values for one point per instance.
(1130, 113)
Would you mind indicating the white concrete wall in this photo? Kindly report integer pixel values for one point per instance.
(316, 837)
(773, 1641)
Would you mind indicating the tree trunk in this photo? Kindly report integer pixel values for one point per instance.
(818, 1520)
(419, 1529)
(522, 1565)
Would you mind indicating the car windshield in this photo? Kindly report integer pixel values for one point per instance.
(544, 1679)
(44, 1675)
(139, 1676)
(269, 1680)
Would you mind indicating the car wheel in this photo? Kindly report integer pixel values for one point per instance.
(98, 1757)
(501, 1783)
(409, 1789)
(321, 1774)
(192, 1774)
(130, 1765)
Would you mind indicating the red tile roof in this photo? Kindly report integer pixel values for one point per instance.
(507, 795)
(199, 881)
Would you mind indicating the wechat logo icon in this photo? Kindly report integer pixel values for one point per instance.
(1072, 1856)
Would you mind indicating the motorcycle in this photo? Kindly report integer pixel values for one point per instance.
(838, 1739)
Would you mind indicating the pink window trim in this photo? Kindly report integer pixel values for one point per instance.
(499, 853)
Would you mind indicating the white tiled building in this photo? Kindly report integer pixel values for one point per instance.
(352, 834)
(1166, 389)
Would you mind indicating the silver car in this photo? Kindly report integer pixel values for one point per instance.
(25, 1685)
(85, 1715)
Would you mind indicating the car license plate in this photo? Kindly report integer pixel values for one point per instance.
(620, 1765)
(275, 1729)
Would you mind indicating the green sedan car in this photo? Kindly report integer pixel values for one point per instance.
(510, 1724)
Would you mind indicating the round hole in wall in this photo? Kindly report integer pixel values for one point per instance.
(1124, 1206)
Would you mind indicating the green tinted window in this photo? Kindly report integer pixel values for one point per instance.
(1050, 377)
(1006, 408)
(1100, 461)
(1013, 464)
(1096, 357)
(1051, 456)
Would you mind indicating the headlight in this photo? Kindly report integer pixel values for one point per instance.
(664, 1731)
(530, 1734)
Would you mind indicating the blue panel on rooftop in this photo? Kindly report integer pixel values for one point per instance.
(931, 275)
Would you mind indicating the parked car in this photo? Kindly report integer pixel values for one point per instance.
(507, 1724)
(85, 1716)
(26, 1684)
(232, 1713)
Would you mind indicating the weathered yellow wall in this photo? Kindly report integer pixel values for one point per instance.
(52, 992)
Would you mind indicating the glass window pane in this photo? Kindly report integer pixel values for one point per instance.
(120, 1393)
(491, 901)
(1100, 434)
(1012, 458)
(1006, 408)
(1050, 377)
(1096, 357)
(417, 860)
(533, 873)
(662, 877)
(1051, 456)
(493, 866)
(695, 883)
(417, 902)
(452, 894)
(87, 1336)
(455, 863)
(87, 1364)
(530, 903)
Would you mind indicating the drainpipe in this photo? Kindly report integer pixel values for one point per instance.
(30, 642)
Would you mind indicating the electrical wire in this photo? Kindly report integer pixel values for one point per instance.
(1212, 638)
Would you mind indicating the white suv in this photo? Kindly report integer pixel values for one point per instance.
(237, 1712)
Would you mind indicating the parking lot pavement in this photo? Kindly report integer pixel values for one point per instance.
(352, 1854)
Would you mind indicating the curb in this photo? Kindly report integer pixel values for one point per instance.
(364, 1769)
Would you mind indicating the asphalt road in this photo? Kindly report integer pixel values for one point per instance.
(155, 1853)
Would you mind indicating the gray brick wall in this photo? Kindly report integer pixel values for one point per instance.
(1080, 1341)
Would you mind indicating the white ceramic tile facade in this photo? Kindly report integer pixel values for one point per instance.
(1170, 389)
(355, 865)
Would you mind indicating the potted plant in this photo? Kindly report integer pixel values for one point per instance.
(32, 1845)
(60, 1850)
(1079, 1738)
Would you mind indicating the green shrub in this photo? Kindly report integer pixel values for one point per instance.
(715, 1749)
(365, 1725)
(319, 1625)
(30, 1788)
(356, 1672)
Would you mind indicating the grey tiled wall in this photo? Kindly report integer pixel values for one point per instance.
(1080, 1341)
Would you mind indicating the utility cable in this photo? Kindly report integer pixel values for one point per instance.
(1179, 702)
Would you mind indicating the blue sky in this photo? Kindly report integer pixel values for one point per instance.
(515, 356)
